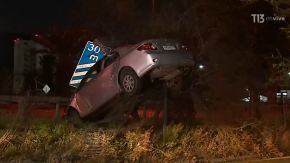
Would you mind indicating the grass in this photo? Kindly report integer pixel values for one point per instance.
(50, 140)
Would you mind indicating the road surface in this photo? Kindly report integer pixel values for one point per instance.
(270, 160)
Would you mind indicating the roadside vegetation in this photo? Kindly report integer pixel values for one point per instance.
(49, 140)
(223, 52)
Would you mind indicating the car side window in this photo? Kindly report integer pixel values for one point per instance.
(112, 57)
(95, 69)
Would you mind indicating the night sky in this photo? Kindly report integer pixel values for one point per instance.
(27, 16)
(22, 19)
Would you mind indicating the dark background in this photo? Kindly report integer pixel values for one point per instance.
(236, 47)
(21, 19)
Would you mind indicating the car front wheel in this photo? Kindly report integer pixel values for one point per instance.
(130, 82)
(73, 115)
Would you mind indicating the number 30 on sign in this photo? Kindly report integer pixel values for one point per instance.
(94, 48)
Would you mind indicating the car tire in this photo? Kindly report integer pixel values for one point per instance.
(130, 82)
(73, 115)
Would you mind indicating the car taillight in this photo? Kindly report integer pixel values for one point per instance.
(148, 46)
(184, 47)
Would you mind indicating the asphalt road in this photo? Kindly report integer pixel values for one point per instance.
(271, 160)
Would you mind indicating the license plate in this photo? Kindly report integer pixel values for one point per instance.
(169, 47)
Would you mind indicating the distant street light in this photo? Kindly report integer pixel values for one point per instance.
(288, 73)
(201, 66)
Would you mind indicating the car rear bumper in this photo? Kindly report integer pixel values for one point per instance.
(163, 64)
(172, 58)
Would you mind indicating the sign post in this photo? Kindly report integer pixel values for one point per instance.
(165, 110)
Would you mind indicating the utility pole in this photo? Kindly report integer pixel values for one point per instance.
(153, 6)
(165, 110)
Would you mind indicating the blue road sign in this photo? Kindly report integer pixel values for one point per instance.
(91, 54)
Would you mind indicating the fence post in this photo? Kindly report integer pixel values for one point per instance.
(252, 104)
(57, 107)
(21, 107)
(165, 113)
(144, 112)
(283, 110)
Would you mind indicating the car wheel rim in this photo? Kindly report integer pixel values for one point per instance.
(128, 83)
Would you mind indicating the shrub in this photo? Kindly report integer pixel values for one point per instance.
(47, 140)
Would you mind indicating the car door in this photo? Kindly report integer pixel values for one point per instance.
(106, 84)
(101, 88)
(84, 92)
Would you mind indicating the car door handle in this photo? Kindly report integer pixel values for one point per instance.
(111, 77)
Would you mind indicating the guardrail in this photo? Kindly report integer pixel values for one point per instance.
(23, 100)
(265, 105)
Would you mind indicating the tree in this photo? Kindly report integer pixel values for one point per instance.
(65, 45)
(221, 35)
(282, 64)
(279, 61)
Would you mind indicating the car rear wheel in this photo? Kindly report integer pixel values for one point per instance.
(130, 82)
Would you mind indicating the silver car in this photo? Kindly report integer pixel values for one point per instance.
(122, 72)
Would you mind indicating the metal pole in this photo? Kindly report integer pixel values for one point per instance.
(283, 109)
(153, 6)
(21, 107)
(57, 107)
(252, 104)
(144, 112)
(165, 109)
